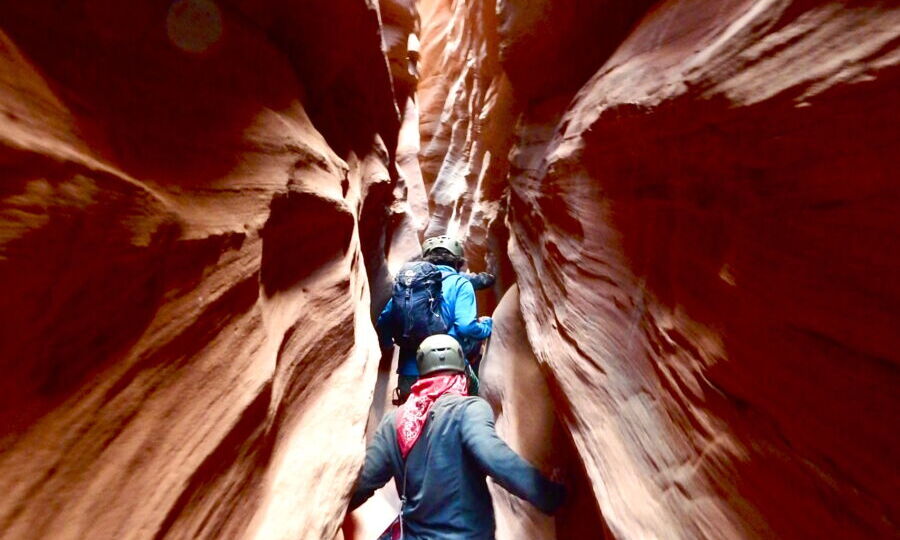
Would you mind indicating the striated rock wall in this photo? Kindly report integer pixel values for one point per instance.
(482, 62)
(513, 383)
(696, 199)
(192, 200)
(702, 225)
(466, 127)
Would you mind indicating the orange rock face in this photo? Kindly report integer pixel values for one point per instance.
(184, 317)
(701, 227)
(690, 206)
(466, 132)
(513, 383)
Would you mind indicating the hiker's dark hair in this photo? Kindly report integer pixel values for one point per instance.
(443, 257)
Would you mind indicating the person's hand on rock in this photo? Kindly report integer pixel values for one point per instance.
(487, 279)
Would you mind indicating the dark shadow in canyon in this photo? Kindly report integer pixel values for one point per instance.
(73, 264)
(304, 232)
(567, 40)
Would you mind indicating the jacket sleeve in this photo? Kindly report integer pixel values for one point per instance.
(479, 281)
(383, 326)
(377, 468)
(464, 314)
(498, 461)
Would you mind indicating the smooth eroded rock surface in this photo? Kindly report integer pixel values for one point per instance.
(703, 232)
(185, 333)
(689, 204)
(513, 383)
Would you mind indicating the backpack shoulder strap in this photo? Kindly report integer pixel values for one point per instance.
(403, 490)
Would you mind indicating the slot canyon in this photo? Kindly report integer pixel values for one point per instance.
(687, 205)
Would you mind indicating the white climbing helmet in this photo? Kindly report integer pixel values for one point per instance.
(449, 243)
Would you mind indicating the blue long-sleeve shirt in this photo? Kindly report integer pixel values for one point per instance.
(446, 492)
(458, 307)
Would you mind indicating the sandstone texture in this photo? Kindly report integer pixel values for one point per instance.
(465, 131)
(690, 207)
(192, 202)
(700, 199)
(513, 383)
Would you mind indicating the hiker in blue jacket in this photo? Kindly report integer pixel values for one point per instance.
(439, 447)
(458, 309)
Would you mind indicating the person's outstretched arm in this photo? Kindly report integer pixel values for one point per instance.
(377, 469)
(498, 461)
(464, 314)
(479, 281)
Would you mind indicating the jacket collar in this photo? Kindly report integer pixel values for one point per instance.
(446, 269)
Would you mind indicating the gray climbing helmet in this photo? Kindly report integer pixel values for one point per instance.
(440, 352)
(449, 243)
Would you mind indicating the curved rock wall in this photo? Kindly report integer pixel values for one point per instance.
(193, 194)
(702, 225)
(696, 199)
(466, 126)
(513, 383)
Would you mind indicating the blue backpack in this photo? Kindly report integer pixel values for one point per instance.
(416, 310)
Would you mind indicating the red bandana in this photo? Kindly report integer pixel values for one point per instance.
(411, 415)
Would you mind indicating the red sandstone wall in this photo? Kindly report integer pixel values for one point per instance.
(703, 227)
(466, 127)
(513, 383)
(191, 199)
(696, 198)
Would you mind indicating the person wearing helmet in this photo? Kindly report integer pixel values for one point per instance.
(458, 309)
(446, 253)
(439, 447)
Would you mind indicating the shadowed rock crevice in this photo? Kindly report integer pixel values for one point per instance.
(347, 89)
(568, 39)
(304, 232)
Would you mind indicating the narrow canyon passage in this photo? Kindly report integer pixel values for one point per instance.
(691, 208)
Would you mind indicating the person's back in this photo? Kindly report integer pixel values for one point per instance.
(445, 495)
(446, 468)
(460, 309)
(457, 307)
